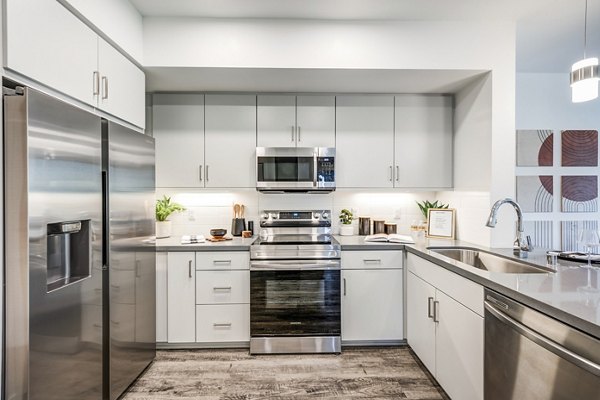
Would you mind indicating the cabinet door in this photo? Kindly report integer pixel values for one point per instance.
(315, 121)
(424, 137)
(276, 121)
(161, 297)
(230, 139)
(459, 349)
(364, 291)
(47, 43)
(364, 141)
(178, 129)
(420, 328)
(122, 86)
(181, 298)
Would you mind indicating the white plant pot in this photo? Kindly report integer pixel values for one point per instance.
(346, 230)
(163, 229)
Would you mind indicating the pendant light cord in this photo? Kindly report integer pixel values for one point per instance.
(585, 30)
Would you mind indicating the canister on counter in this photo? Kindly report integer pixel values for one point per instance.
(378, 226)
(390, 228)
(364, 226)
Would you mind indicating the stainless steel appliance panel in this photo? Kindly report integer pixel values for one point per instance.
(304, 169)
(53, 203)
(529, 355)
(132, 321)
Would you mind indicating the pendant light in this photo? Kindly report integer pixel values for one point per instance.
(584, 73)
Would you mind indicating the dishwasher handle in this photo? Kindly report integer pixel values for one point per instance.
(543, 341)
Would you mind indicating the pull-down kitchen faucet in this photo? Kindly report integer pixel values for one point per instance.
(521, 246)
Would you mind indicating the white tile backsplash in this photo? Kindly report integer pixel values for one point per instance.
(207, 209)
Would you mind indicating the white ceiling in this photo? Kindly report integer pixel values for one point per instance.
(345, 9)
(549, 32)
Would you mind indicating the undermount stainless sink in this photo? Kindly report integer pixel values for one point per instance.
(487, 261)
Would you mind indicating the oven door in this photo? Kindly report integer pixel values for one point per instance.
(295, 302)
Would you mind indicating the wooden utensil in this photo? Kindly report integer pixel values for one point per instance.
(242, 211)
(236, 210)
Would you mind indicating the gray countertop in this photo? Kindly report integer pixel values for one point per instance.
(174, 244)
(564, 294)
(571, 294)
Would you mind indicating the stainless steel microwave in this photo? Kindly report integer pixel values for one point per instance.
(295, 169)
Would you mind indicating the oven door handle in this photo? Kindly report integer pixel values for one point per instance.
(279, 265)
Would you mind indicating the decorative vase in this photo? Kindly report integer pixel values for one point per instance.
(346, 230)
(163, 229)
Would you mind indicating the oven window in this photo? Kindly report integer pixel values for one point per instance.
(295, 303)
(286, 294)
(285, 169)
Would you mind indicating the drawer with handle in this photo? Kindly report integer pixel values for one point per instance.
(372, 259)
(223, 323)
(222, 260)
(222, 287)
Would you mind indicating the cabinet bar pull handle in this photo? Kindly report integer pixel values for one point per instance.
(222, 262)
(97, 326)
(200, 172)
(115, 322)
(190, 268)
(397, 173)
(104, 88)
(220, 325)
(373, 261)
(292, 133)
(391, 174)
(344, 286)
(206, 172)
(96, 77)
(299, 135)
(436, 316)
(138, 268)
(222, 288)
(430, 307)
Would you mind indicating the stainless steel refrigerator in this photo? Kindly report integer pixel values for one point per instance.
(79, 252)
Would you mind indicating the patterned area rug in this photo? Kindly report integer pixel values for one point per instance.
(358, 373)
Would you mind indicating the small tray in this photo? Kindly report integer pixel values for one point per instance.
(579, 257)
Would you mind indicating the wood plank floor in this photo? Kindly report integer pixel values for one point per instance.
(358, 373)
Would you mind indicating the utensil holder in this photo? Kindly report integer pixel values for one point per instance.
(237, 226)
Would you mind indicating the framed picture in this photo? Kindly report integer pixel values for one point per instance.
(440, 223)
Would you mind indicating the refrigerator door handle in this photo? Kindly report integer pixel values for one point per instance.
(105, 220)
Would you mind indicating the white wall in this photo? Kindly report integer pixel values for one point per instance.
(119, 20)
(426, 45)
(543, 101)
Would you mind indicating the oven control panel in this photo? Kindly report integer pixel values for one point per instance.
(293, 218)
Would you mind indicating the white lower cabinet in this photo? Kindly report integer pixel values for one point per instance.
(223, 323)
(181, 297)
(372, 296)
(445, 327)
(203, 297)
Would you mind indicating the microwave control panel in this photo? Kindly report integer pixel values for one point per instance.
(326, 169)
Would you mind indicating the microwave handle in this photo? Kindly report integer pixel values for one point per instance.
(316, 173)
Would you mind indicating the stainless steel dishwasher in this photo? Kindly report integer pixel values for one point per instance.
(529, 355)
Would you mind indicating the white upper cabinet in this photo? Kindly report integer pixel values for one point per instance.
(122, 85)
(276, 121)
(424, 136)
(230, 139)
(178, 127)
(365, 141)
(296, 121)
(46, 43)
(315, 116)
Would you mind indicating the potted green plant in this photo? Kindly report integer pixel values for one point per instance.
(346, 218)
(164, 208)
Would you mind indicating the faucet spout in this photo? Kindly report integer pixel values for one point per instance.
(521, 245)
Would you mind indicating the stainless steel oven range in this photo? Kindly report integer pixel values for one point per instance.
(295, 284)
